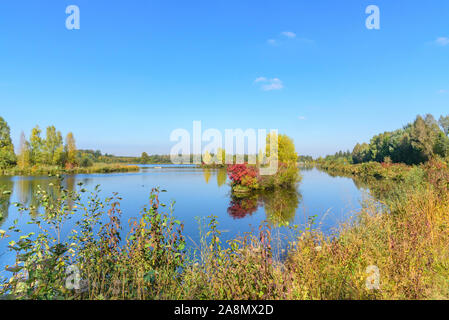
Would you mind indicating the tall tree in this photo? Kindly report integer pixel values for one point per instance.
(442, 145)
(53, 147)
(70, 149)
(221, 156)
(423, 139)
(36, 144)
(444, 123)
(24, 156)
(361, 153)
(7, 155)
(207, 157)
(286, 148)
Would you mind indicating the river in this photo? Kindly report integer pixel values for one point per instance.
(197, 192)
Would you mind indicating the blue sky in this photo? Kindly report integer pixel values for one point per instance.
(136, 70)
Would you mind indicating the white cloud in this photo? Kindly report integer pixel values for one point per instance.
(261, 79)
(302, 118)
(442, 41)
(275, 84)
(269, 84)
(289, 34)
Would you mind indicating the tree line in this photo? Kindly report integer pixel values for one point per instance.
(53, 150)
(415, 143)
(38, 150)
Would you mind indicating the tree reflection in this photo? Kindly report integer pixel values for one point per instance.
(207, 174)
(222, 176)
(280, 205)
(28, 195)
(6, 187)
(242, 207)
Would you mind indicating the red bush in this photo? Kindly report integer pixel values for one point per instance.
(237, 172)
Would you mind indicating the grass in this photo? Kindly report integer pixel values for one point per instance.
(405, 239)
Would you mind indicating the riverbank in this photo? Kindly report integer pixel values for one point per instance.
(53, 170)
(395, 251)
(374, 170)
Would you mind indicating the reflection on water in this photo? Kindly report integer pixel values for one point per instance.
(198, 193)
(222, 177)
(5, 199)
(221, 174)
(27, 190)
(207, 174)
(242, 207)
(280, 205)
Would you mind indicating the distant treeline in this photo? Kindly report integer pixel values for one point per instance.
(415, 143)
(305, 159)
(51, 151)
(38, 150)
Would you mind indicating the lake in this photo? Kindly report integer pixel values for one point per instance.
(198, 192)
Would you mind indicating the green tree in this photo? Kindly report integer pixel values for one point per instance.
(221, 156)
(7, 155)
(286, 148)
(361, 153)
(261, 157)
(145, 158)
(36, 143)
(24, 156)
(444, 123)
(70, 149)
(85, 160)
(423, 138)
(442, 145)
(53, 147)
(207, 158)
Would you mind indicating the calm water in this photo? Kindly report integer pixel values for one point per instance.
(197, 193)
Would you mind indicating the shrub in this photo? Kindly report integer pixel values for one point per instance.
(243, 176)
(86, 162)
(246, 178)
(110, 265)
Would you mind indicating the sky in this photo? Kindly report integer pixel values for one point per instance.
(138, 69)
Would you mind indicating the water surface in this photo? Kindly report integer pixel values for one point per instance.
(197, 193)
